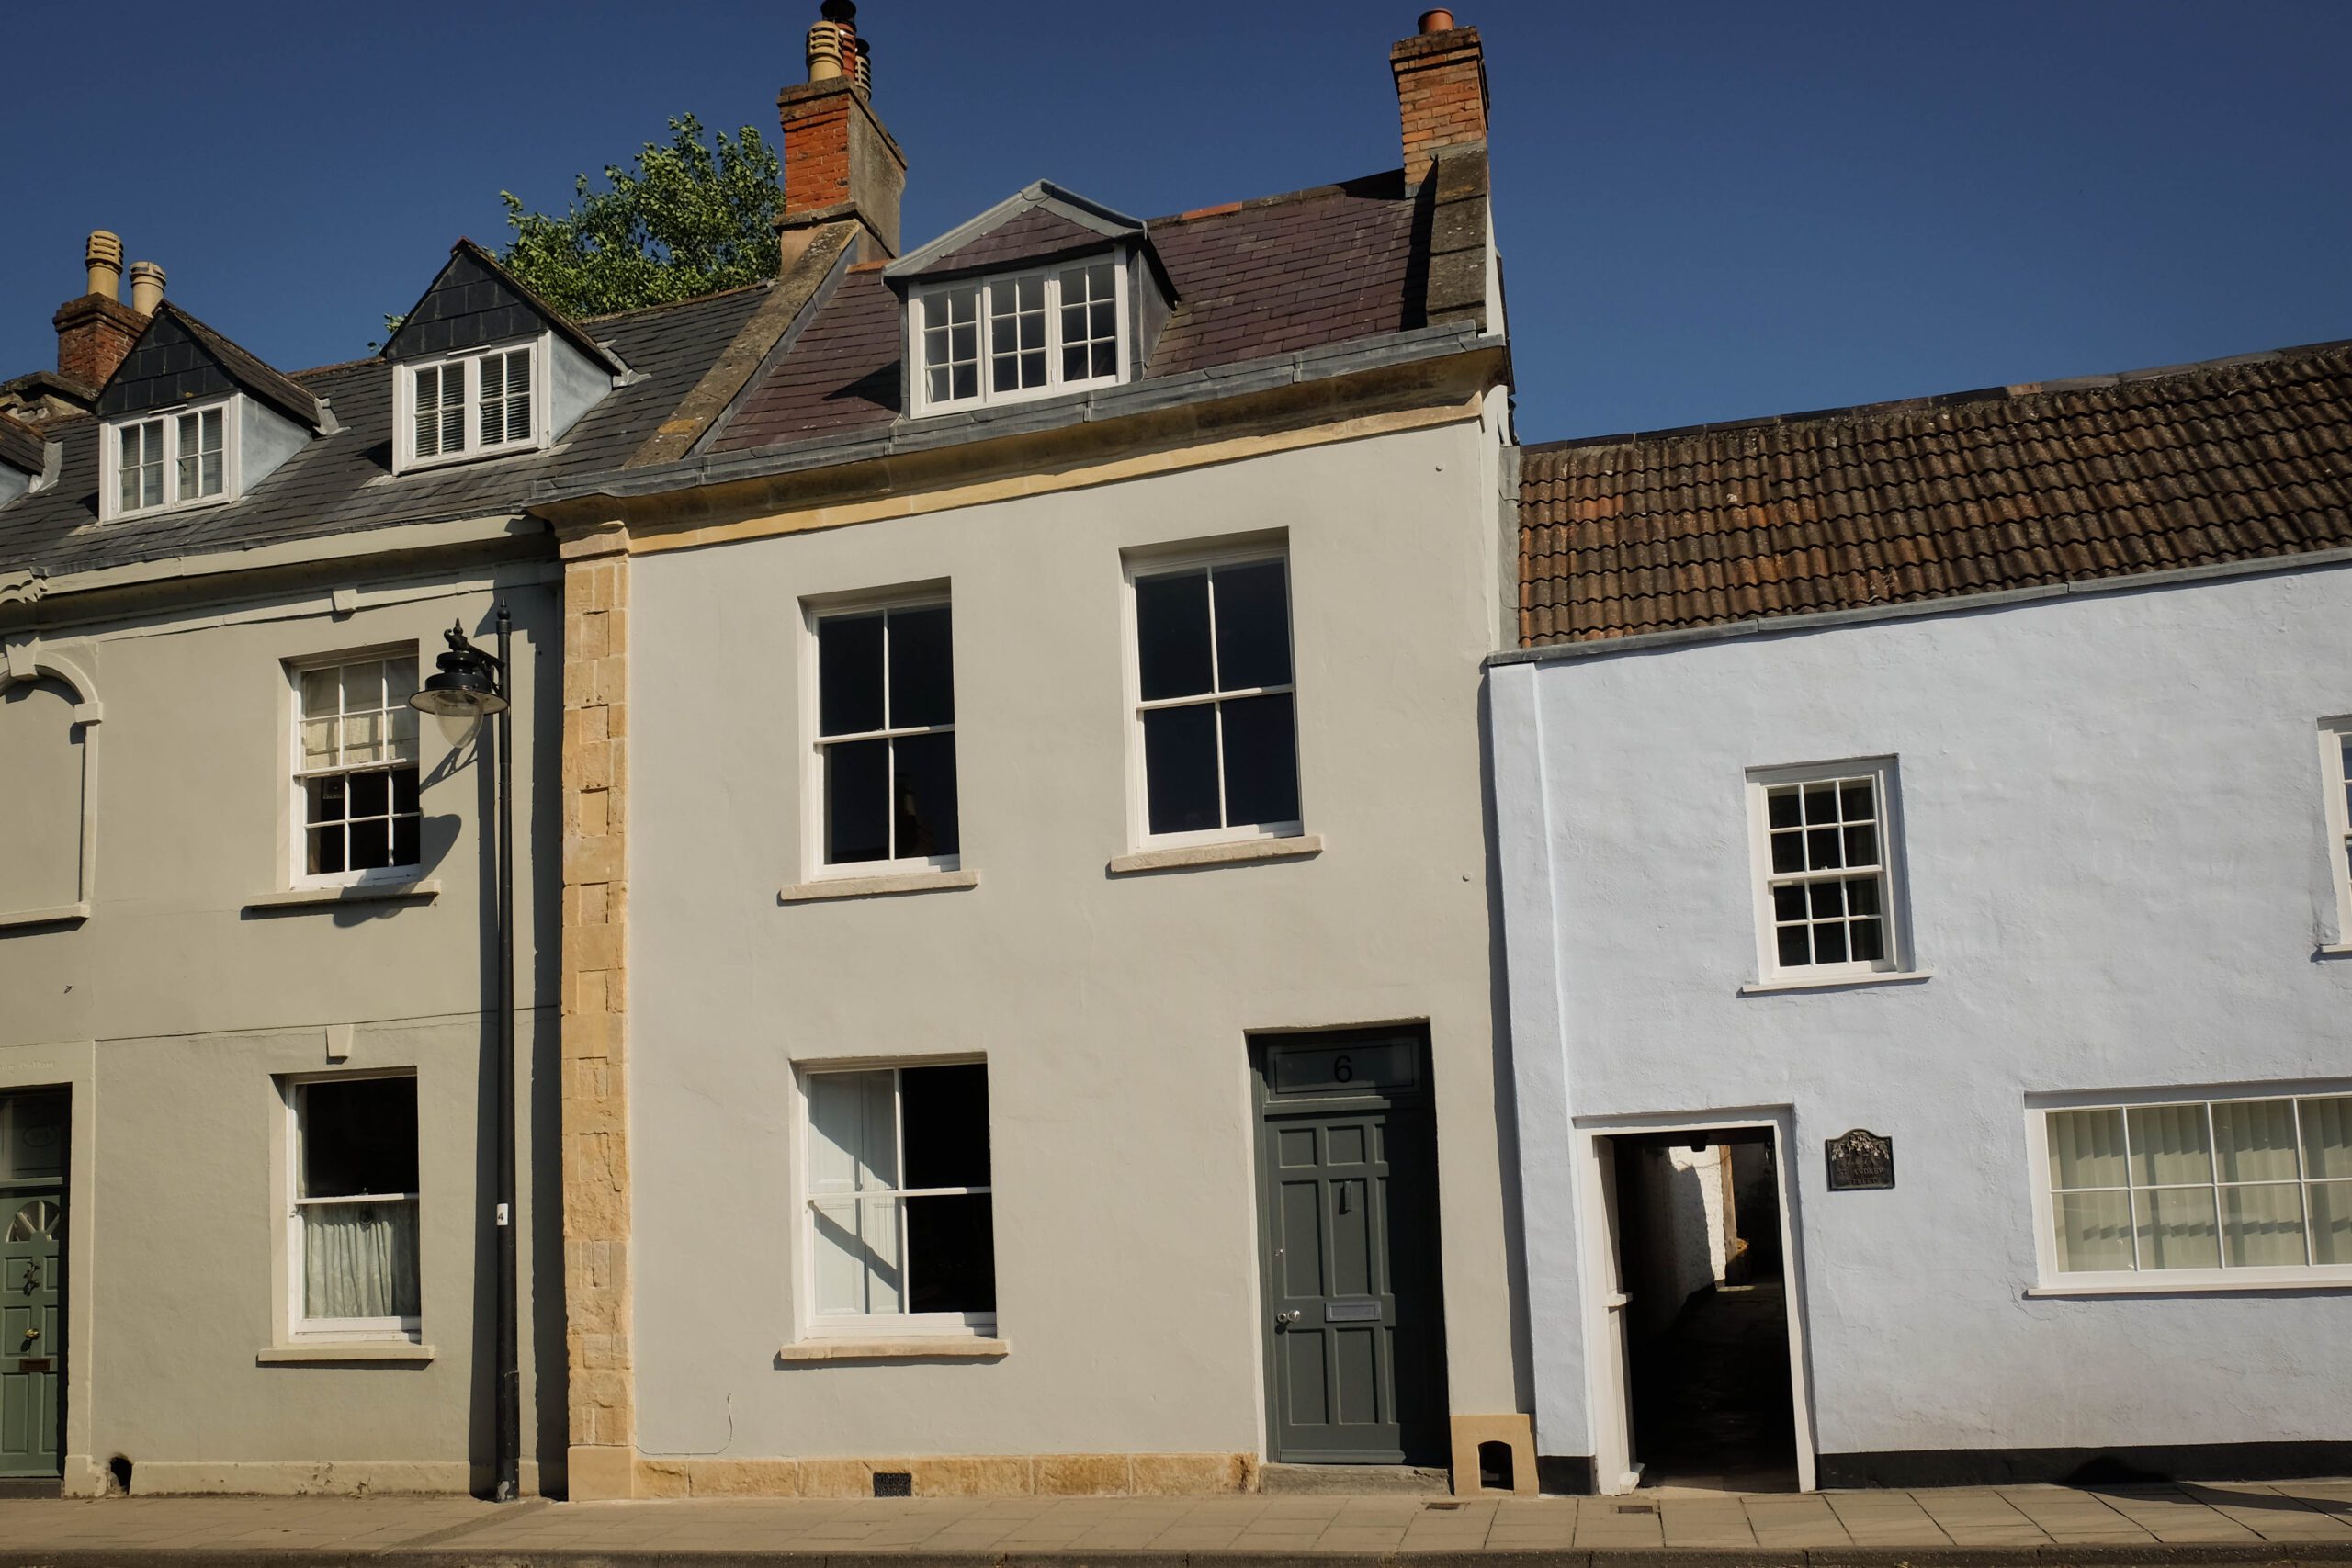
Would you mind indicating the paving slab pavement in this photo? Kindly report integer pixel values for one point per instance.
(2279, 1522)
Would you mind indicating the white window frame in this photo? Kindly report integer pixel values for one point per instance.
(2334, 735)
(298, 848)
(110, 507)
(816, 868)
(1158, 562)
(1894, 894)
(816, 1325)
(917, 310)
(300, 1327)
(2161, 1282)
(404, 373)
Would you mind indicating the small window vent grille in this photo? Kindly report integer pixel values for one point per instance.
(894, 1484)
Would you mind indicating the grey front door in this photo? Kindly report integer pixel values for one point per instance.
(1348, 1189)
(32, 1281)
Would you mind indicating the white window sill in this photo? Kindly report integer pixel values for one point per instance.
(2333, 949)
(57, 915)
(425, 888)
(876, 886)
(1836, 982)
(2198, 1287)
(325, 1352)
(1297, 846)
(922, 1347)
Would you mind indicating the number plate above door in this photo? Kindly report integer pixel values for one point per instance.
(1380, 1064)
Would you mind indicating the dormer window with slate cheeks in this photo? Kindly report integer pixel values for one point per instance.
(1044, 294)
(188, 419)
(482, 367)
(472, 405)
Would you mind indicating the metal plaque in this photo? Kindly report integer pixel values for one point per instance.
(1860, 1160)
(33, 1364)
(1351, 1312)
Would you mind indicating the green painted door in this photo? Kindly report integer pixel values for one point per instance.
(32, 1282)
(1348, 1179)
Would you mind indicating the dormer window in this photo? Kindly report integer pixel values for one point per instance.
(471, 406)
(1029, 334)
(170, 461)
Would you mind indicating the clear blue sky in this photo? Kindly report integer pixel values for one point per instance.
(1708, 210)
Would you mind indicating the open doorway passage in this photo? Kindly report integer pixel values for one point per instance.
(1706, 1328)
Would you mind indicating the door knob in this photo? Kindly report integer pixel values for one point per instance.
(1284, 1319)
(32, 1333)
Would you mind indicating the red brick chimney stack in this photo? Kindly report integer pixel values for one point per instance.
(1441, 91)
(97, 331)
(839, 162)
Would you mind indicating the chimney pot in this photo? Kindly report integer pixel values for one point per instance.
(103, 256)
(838, 159)
(1437, 21)
(146, 287)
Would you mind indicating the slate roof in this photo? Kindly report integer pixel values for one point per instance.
(20, 446)
(1038, 221)
(1252, 279)
(343, 483)
(162, 357)
(2019, 487)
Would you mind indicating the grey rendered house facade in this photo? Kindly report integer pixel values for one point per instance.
(1029, 1020)
(247, 945)
(1938, 811)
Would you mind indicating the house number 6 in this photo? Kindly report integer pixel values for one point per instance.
(1344, 1069)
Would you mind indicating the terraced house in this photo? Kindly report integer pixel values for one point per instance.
(1029, 1024)
(1933, 815)
(255, 975)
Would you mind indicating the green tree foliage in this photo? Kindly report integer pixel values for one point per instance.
(689, 221)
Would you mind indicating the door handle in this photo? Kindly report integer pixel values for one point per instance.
(31, 1334)
(1284, 1319)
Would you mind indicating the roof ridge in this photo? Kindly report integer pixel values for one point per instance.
(642, 310)
(1361, 185)
(2019, 391)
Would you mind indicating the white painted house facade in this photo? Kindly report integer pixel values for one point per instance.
(1861, 774)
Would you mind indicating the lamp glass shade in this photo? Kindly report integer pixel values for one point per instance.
(459, 694)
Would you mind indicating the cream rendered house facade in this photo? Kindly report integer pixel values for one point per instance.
(1029, 1023)
(247, 1049)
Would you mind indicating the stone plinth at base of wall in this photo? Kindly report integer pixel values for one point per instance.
(936, 1475)
(297, 1478)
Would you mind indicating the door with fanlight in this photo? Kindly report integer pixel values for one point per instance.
(32, 1282)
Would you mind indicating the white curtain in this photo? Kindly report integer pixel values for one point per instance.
(359, 1260)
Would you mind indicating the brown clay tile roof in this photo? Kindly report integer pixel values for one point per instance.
(2016, 487)
(1262, 278)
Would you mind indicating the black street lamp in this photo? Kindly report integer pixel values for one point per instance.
(472, 684)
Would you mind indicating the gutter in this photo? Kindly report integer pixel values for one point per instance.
(1831, 620)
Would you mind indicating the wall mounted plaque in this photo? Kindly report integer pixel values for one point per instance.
(1860, 1160)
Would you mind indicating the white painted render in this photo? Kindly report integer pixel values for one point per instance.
(2118, 875)
(1113, 1009)
(175, 1006)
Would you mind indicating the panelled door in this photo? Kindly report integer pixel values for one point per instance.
(1348, 1182)
(32, 1282)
